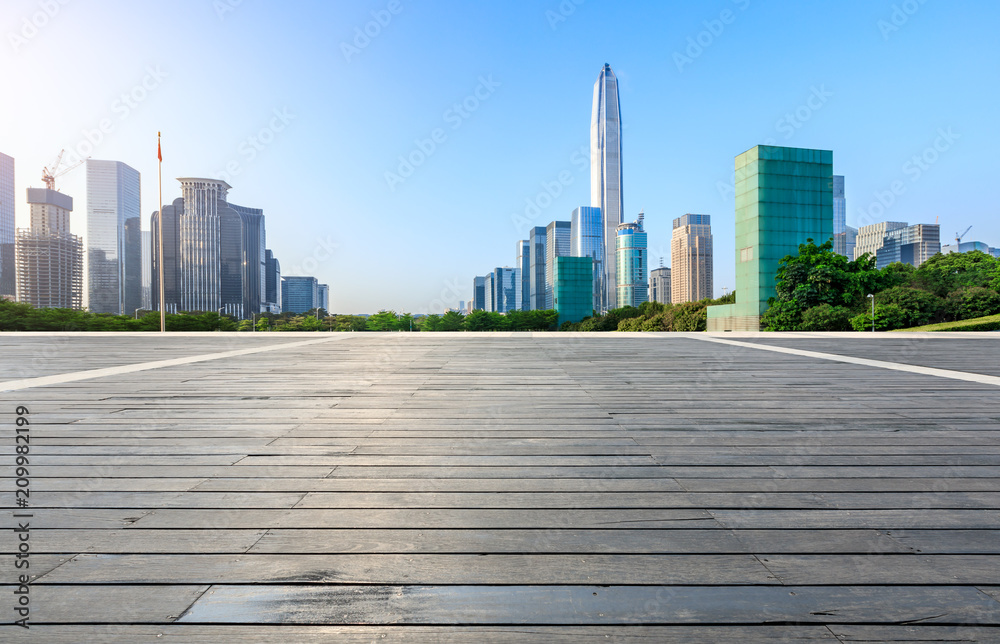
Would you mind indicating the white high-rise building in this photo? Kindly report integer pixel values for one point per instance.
(114, 238)
(606, 174)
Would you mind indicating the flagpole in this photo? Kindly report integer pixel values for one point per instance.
(163, 304)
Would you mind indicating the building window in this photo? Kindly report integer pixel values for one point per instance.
(746, 254)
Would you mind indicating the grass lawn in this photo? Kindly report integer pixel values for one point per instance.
(988, 323)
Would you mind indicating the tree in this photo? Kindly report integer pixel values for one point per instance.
(973, 302)
(917, 306)
(430, 323)
(452, 321)
(477, 321)
(826, 317)
(817, 275)
(383, 321)
(943, 274)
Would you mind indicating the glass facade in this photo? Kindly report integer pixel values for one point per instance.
(147, 270)
(299, 293)
(587, 240)
(114, 244)
(573, 288)
(478, 301)
(606, 172)
(272, 281)
(8, 270)
(784, 196)
(505, 281)
(171, 257)
(691, 259)
(253, 258)
(556, 245)
(632, 268)
(659, 285)
(893, 242)
(523, 295)
(537, 250)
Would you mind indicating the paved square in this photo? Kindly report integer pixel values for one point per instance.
(476, 487)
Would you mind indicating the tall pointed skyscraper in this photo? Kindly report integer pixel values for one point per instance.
(606, 173)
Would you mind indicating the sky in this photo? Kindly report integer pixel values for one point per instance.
(399, 148)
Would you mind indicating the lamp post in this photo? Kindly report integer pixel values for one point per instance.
(873, 311)
(137, 312)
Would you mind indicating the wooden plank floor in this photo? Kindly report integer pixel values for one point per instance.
(481, 487)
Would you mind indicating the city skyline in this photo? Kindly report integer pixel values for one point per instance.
(500, 131)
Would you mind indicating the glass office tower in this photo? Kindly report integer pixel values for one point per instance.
(587, 240)
(606, 172)
(8, 281)
(556, 245)
(536, 243)
(573, 288)
(478, 301)
(114, 241)
(523, 295)
(784, 196)
(299, 293)
(630, 254)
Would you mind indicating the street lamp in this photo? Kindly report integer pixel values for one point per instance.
(873, 311)
(137, 312)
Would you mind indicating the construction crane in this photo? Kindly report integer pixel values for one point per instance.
(958, 239)
(50, 173)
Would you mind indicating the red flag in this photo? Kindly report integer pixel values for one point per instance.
(159, 153)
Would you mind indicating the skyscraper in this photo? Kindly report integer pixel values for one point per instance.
(114, 240)
(630, 255)
(587, 240)
(659, 285)
(147, 270)
(478, 301)
(536, 247)
(893, 241)
(324, 297)
(504, 282)
(171, 256)
(49, 258)
(573, 288)
(691, 259)
(844, 236)
(523, 294)
(300, 293)
(784, 196)
(8, 270)
(606, 173)
(214, 252)
(556, 245)
(489, 286)
(272, 288)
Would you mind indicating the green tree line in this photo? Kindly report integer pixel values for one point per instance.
(819, 290)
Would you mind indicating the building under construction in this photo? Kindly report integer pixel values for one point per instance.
(49, 258)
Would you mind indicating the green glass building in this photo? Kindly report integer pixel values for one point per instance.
(573, 288)
(784, 196)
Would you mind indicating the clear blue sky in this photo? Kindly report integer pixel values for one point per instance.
(216, 72)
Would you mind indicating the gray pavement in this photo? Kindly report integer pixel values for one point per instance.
(478, 487)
